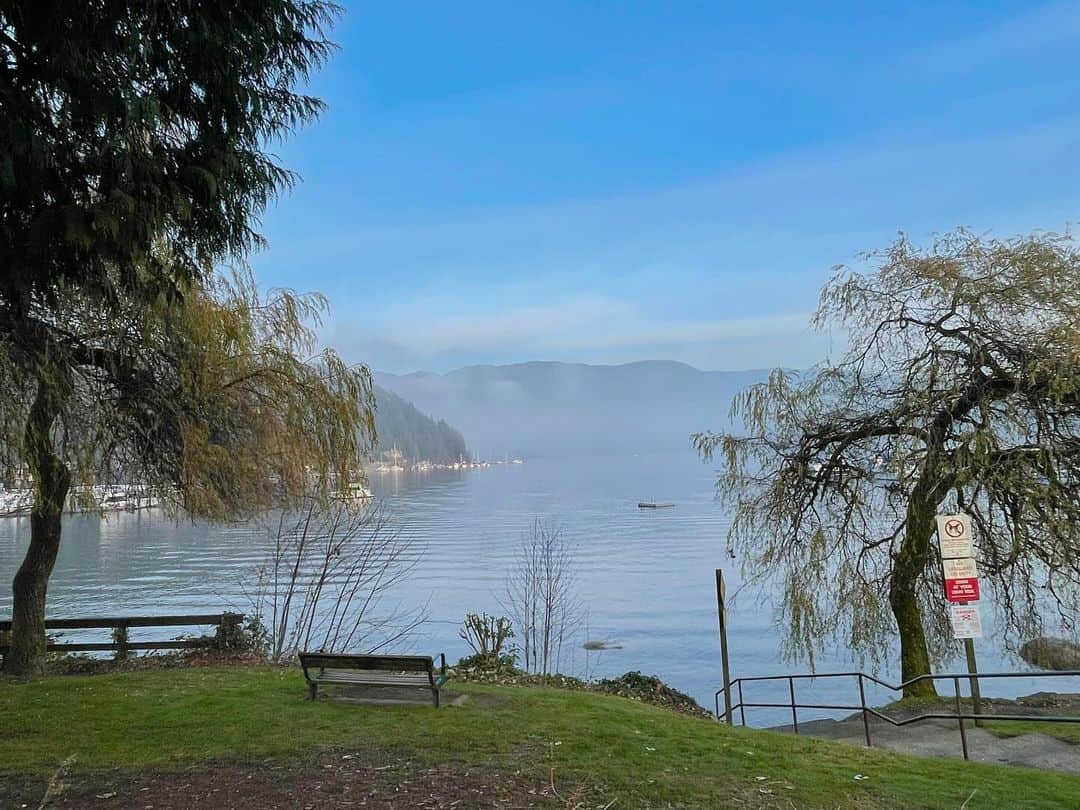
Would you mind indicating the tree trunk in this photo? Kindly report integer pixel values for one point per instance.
(52, 480)
(904, 600)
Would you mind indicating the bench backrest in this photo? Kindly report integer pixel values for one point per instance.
(384, 663)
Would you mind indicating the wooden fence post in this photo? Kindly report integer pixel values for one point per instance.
(721, 610)
(120, 639)
(228, 631)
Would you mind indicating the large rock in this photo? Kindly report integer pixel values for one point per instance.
(1052, 653)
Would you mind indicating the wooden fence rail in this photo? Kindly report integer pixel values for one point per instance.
(226, 625)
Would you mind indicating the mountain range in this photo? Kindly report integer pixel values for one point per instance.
(549, 408)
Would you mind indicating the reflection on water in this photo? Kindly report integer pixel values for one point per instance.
(646, 576)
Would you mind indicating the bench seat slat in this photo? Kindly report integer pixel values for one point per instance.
(424, 684)
(371, 677)
(363, 671)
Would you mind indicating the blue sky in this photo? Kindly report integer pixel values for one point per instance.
(606, 182)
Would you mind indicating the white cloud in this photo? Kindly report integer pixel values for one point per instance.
(523, 325)
(718, 270)
(1029, 32)
(583, 329)
(913, 180)
(720, 273)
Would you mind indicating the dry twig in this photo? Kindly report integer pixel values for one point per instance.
(56, 783)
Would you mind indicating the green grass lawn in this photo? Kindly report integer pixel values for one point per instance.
(637, 755)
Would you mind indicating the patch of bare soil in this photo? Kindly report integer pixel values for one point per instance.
(88, 665)
(337, 780)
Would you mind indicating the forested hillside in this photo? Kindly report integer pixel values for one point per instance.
(415, 434)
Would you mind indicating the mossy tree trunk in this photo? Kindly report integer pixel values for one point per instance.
(52, 480)
(908, 566)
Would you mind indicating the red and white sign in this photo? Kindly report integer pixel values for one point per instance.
(966, 621)
(957, 558)
(962, 590)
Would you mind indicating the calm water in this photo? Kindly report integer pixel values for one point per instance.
(646, 576)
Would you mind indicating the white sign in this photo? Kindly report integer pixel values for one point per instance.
(966, 621)
(960, 569)
(954, 535)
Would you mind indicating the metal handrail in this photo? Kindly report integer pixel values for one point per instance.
(960, 716)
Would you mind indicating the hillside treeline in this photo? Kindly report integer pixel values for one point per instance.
(415, 434)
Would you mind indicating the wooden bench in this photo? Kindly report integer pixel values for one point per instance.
(403, 671)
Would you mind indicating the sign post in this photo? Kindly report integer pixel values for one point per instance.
(962, 590)
(721, 610)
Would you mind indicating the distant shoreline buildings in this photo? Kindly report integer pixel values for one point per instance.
(393, 462)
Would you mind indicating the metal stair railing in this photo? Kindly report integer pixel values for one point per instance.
(867, 711)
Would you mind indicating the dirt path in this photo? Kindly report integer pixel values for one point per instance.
(338, 780)
(941, 738)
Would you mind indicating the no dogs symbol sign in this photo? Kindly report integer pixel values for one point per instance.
(954, 536)
(955, 528)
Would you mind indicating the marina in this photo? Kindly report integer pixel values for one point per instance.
(99, 498)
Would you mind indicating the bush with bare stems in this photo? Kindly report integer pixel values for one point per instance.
(325, 583)
(487, 637)
(541, 597)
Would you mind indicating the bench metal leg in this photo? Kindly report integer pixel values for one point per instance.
(313, 691)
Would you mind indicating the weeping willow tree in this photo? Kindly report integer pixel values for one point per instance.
(218, 402)
(959, 390)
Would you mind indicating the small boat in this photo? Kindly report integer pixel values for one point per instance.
(355, 492)
(649, 505)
